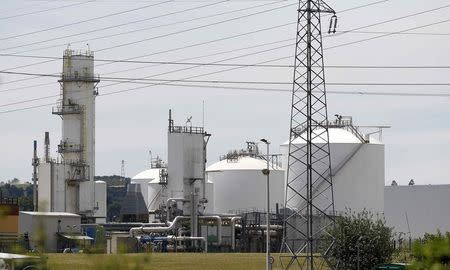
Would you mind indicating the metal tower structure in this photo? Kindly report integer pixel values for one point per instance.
(122, 173)
(309, 205)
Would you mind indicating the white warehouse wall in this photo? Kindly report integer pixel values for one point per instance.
(427, 208)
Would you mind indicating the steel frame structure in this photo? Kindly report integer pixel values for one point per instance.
(309, 202)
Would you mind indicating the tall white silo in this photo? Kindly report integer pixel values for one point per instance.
(67, 183)
(239, 184)
(357, 169)
(100, 201)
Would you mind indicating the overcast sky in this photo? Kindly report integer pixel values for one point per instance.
(131, 123)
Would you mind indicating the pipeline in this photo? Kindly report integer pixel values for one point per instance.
(190, 238)
(173, 238)
(233, 232)
(171, 225)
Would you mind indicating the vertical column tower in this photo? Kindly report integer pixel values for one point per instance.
(76, 107)
(309, 202)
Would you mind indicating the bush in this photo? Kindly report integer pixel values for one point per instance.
(362, 239)
(432, 253)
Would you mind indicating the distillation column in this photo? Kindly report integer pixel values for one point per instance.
(77, 110)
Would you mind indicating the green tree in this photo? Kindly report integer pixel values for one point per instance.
(432, 253)
(362, 241)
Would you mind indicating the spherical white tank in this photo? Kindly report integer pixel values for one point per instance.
(357, 170)
(239, 185)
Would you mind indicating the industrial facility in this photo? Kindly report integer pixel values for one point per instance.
(264, 173)
(66, 183)
(185, 205)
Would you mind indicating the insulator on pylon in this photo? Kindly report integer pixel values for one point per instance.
(333, 25)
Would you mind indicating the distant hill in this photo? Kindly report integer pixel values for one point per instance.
(116, 191)
(23, 192)
(113, 180)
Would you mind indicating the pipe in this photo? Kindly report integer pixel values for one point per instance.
(219, 227)
(272, 227)
(189, 238)
(35, 164)
(171, 226)
(121, 224)
(233, 232)
(47, 146)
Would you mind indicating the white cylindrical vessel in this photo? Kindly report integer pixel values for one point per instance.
(357, 169)
(239, 185)
(100, 200)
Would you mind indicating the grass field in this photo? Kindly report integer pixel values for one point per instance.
(160, 261)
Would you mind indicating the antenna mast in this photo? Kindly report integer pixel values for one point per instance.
(309, 203)
(122, 173)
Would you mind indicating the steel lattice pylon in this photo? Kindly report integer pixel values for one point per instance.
(309, 205)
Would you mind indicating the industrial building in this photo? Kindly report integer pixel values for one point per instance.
(414, 210)
(56, 229)
(66, 183)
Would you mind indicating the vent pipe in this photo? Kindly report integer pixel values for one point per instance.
(47, 146)
(35, 164)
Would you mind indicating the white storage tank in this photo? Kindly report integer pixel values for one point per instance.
(100, 200)
(155, 193)
(149, 180)
(239, 184)
(357, 168)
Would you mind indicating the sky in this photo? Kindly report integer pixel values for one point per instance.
(132, 123)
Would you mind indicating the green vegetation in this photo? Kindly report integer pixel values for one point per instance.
(160, 261)
(116, 191)
(432, 253)
(361, 239)
(23, 192)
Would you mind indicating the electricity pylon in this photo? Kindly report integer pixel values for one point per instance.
(309, 202)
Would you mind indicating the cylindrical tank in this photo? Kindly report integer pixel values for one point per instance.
(357, 169)
(239, 185)
(144, 179)
(100, 199)
(155, 193)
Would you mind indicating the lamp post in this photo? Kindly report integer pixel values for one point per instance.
(266, 172)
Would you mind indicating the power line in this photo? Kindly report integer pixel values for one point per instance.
(208, 42)
(184, 47)
(195, 28)
(358, 93)
(27, 7)
(119, 25)
(365, 39)
(221, 71)
(389, 34)
(395, 19)
(44, 10)
(185, 59)
(140, 80)
(396, 33)
(234, 64)
(147, 28)
(84, 21)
